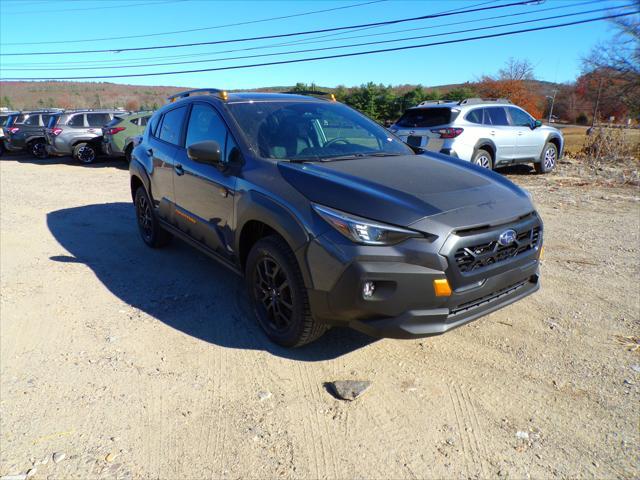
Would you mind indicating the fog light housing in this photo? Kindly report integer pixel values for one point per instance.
(368, 289)
(441, 287)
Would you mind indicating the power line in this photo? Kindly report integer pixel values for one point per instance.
(295, 42)
(309, 40)
(244, 57)
(264, 37)
(201, 29)
(328, 57)
(31, 12)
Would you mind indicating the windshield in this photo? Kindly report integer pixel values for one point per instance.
(313, 131)
(425, 117)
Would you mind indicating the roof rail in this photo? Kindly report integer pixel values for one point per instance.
(198, 91)
(473, 101)
(435, 102)
(312, 93)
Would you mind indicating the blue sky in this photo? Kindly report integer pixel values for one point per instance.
(555, 54)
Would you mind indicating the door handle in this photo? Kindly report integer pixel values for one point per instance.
(179, 170)
(492, 132)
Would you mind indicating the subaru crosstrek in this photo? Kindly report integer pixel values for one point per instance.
(331, 219)
(489, 133)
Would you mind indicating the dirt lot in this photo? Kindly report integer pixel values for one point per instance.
(145, 364)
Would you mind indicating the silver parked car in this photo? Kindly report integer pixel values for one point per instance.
(489, 133)
(79, 133)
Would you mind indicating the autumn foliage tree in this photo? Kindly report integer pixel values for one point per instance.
(514, 83)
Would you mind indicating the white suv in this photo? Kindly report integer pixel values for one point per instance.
(489, 133)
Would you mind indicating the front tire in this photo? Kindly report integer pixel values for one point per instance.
(548, 159)
(150, 230)
(85, 153)
(277, 291)
(483, 159)
(38, 149)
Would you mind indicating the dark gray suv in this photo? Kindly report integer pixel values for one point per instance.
(331, 219)
(27, 132)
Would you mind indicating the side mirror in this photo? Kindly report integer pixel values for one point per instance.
(207, 152)
(536, 124)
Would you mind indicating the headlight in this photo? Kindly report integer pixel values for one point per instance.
(360, 230)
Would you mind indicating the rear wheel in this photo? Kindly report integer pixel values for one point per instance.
(38, 149)
(85, 153)
(278, 294)
(150, 230)
(483, 159)
(548, 159)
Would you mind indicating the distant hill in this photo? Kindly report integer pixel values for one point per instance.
(30, 95)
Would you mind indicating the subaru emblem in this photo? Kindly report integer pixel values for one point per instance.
(507, 237)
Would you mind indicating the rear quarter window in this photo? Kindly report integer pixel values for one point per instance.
(474, 116)
(76, 121)
(426, 117)
(98, 119)
(32, 120)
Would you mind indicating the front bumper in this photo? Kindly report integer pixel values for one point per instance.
(404, 304)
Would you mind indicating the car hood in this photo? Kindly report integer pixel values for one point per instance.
(410, 191)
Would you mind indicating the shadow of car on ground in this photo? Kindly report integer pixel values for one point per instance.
(177, 284)
(100, 162)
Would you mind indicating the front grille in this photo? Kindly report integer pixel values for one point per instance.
(471, 258)
(478, 302)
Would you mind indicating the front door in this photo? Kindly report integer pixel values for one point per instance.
(204, 193)
(529, 141)
(503, 136)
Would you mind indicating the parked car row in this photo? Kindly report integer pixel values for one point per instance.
(83, 134)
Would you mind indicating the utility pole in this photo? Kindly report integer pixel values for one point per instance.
(553, 100)
(595, 109)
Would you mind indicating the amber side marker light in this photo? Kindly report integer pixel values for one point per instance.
(441, 287)
(541, 254)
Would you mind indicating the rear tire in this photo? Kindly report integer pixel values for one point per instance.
(38, 149)
(150, 230)
(278, 294)
(548, 159)
(127, 153)
(483, 159)
(85, 153)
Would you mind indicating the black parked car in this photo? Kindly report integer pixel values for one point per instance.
(27, 132)
(330, 218)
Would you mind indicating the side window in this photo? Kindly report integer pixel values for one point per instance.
(98, 119)
(206, 124)
(143, 121)
(171, 129)
(496, 116)
(32, 120)
(153, 125)
(475, 116)
(520, 118)
(76, 121)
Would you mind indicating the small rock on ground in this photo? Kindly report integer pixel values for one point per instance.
(264, 395)
(349, 389)
(58, 457)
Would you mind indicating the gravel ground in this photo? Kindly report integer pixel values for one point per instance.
(134, 363)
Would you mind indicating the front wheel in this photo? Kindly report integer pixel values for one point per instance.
(85, 153)
(277, 292)
(483, 159)
(548, 159)
(150, 230)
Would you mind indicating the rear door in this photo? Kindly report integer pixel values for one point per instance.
(499, 130)
(162, 146)
(530, 141)
(204, 193)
